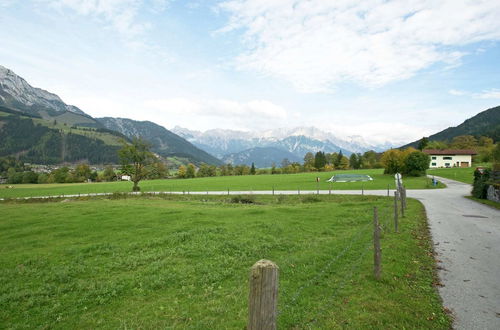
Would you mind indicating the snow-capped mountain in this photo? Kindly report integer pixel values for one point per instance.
(261, 157)
(16, 93)
(299, 141)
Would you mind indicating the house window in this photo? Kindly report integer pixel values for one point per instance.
(433, 164)
(447, 158)
(447, 164)
(433, 158)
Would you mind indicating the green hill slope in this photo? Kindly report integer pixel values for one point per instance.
(164, 142)
(36, 140)
(486, 123)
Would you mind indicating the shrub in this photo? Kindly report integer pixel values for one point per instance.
(310, 199)
(480, 186)
(416, 164)
(243, 199)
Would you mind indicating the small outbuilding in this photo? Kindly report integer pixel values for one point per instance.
(450, 157)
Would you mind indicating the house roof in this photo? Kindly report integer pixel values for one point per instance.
(450, 152)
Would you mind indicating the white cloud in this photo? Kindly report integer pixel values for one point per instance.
(489, 94)
(120, 15)
(218, 108)
(457, 92)
(395, 133)
(316, 44)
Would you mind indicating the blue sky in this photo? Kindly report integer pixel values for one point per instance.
(384, 70)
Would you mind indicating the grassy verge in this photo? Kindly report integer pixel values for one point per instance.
(485, 202)
(465, 175)
(302, 181)
(183, 262)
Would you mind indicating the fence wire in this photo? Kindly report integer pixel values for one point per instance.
(386, 222)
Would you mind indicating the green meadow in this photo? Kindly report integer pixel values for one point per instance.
(183, 262)
(302, 181)
(465, 175)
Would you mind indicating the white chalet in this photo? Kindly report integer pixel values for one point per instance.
(450, 158)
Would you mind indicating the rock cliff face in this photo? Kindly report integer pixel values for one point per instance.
(16, 93)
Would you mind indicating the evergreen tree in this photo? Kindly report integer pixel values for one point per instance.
(422, 144)
(252, 169)
(319, 160)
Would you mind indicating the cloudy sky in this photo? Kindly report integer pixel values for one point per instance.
(385, 70)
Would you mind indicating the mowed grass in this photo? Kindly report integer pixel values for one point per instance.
(183, 262)
(295, 182)
(465, 175)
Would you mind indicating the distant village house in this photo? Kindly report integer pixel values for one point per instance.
(450, 158)
(126, 178)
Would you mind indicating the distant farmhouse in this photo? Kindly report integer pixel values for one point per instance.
(450, 157)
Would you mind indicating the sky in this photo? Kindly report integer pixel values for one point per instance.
(384, 70)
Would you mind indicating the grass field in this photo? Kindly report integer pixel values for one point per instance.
(302, 181)
(465, 175)
(183, 262)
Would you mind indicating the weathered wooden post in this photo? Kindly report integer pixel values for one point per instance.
(396, 211)
(401, 198)
(273, 190)
(387, 190)
(404, 196)
(362, 190)
(298, 191)
(377, 252)
(228, 191)
(263, 297)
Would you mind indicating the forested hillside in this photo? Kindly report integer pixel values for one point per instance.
(486, 123)
(31, 141)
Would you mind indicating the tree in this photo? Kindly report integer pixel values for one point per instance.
(344, 163)
(338, 159)
(252, 169)
(355, 161)
(190, 171)
(423, 143)
(134, 158)
(308, 161)
(369, 159)
(181, 172)
(81, 172)
(157, 170)
(109, 173)
(416, 164)
(464, 142)
(319, 160)
(392, 161)
(437, 145)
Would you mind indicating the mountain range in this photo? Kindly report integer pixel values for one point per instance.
(261, 147)
(37, 126)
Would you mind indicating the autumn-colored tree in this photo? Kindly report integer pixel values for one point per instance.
(181, 172)
(392, 160)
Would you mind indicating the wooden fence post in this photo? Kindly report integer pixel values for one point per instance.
(387, 190)
(263, 297)
(377, 253)
(273, 191)
(362, 190)
(396, 211)
(228, 191)
(401, 198)
(404, 194)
